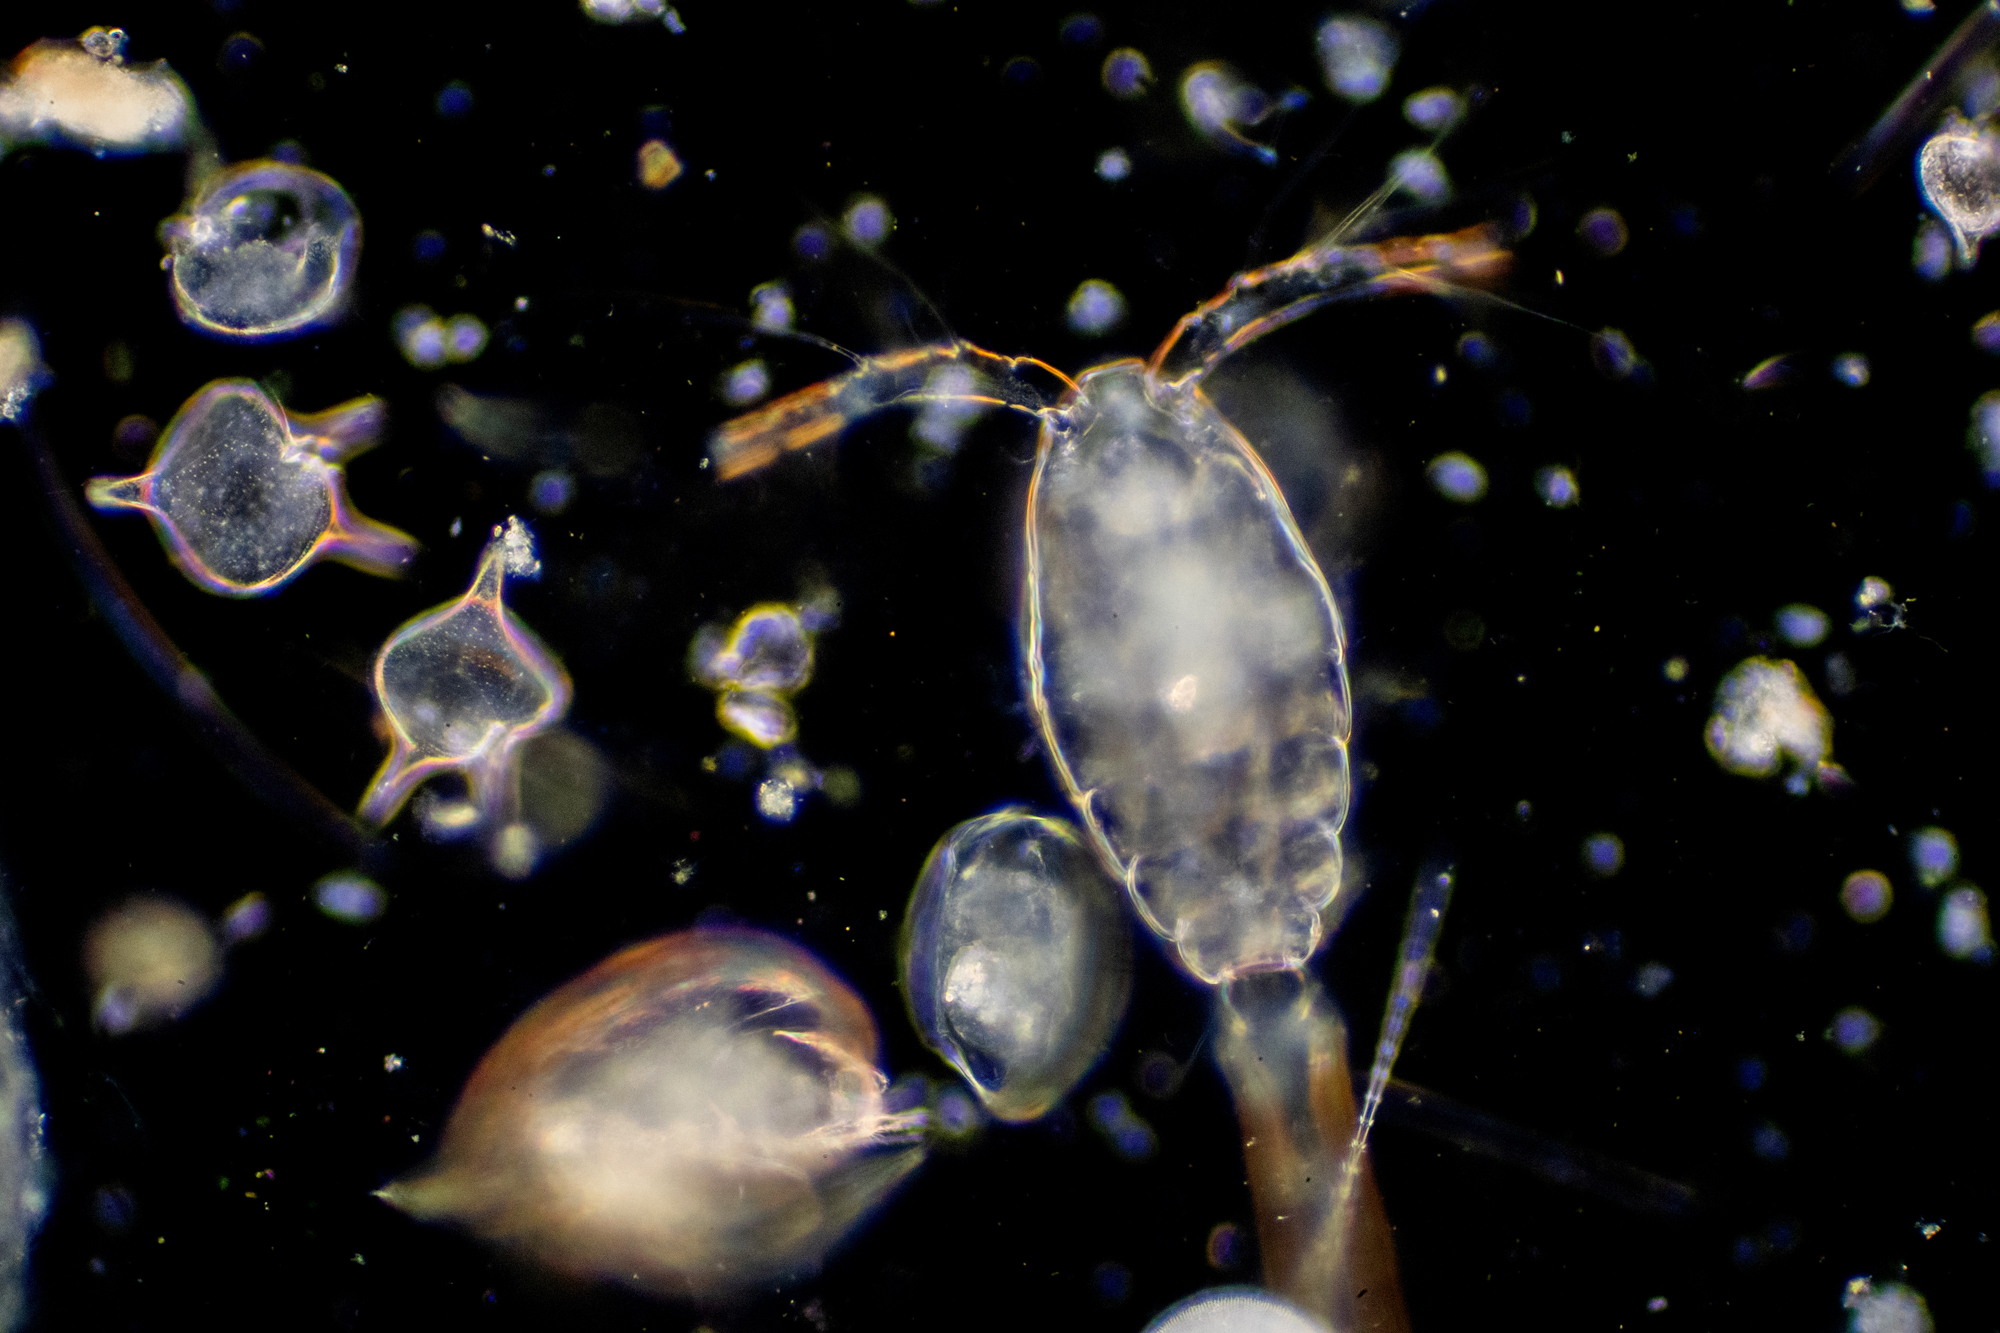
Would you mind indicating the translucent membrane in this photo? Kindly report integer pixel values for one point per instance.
(1235, 1310)
(267, 250)
(80, 93)
(1016, 958)
(1767, 719)
(21, 368)
(1958, 169)
(694, 1114)
(150, 960)
(461, 687)
(245, 495)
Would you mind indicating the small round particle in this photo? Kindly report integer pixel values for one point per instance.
(658, 166)
(1933, 855)
(1114, 164)
(1603, 230)
(1095, 308)
(1434, 110)
(1866, 895)
(1674, 669)
(867, 221)
(1603, 854)
(1854, 1030)
(1557, 486)
(1964, 929)
(1127, 73)
(1457, 477)
(350, 897)
(1800, 625)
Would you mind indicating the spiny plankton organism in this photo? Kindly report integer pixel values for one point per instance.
(245, 495)
(1186, 664)
(461, 687)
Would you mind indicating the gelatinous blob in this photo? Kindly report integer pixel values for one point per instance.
(1433, 110)
(867, 222)
(1958, 169)
(694, 1114)
(1418, 173)
(1854, 1030)
(1964, 927)
(658, 166)
(1457, 477)
(1603, 854)
(1114, 164)
(245, 495)
(1866, 895)
(21, 368)
(81, 94)
(1357, 55)
(1889, 1308)
(1127, 73)
(1651, 979)
(1220, 106)
(771, 307)
(1800, 625)
(149, 960)
(1558, 487)
(461, 687)
(1767, 719)
(1095, 308)
(1934, 856)
(745, 383)
(268, 250)
(350, 897)
(1016, 958)
(767, 648)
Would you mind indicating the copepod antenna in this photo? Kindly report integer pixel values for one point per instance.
(1428, 901)
(268, 777)
(822, 411)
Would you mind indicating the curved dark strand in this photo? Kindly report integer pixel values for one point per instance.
(1865, 160)
(1583, 1169)
(268, 778)
(822, 411)
(1268, 298)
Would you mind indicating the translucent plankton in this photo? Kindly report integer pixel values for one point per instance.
(1357, 55)
(693, 1115)
(245, 495)
(1016, 958)
(267, 250)
(1767, 720)
(1958, 169)
(461, 687)
(150, 960)
(754, 666)
(80, 93)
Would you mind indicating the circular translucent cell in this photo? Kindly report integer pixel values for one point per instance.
(350, 897)
(1958, 169)
(771, 307)
(150, 960)
(867, 222)
(745, 383)
(695, 1114)
(551, 491)
(1933, 855)
(1558, 487)
(1964, 928)
(765, 720)
(1114, 164)
(1186, 665)
(1603, 854)
(1458, 477)
(1418, 173)
(1095, 308)
(1357, 55)
(245, 495)
(1866, 895)
(1603, 230)
(1127, 73)
(269, 250)
(1766, 718)
(1433, 110)
(461, 687)
(1800, 625)
(464, 338)
(1016, 958)
(454, 100)
(767, 649)
(1235, 1310)
(81, 93)
(1854, 1030)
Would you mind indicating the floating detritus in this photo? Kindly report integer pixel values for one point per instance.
(267, 250)
(1016, 958)
(1958, 169)
(461, 687)
(80, 93)
(694, 1114)
(1768, 720)
(245, 495)
(150, 960)
(21, 368)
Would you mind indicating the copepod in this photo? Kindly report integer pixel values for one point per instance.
(1186, 665)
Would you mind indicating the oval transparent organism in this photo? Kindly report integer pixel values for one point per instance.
(461, 687)
(268, 250)
(695, 1114)
(1016, 958)
(245, 495)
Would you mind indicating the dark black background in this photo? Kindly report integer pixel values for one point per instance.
(1705, 508)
